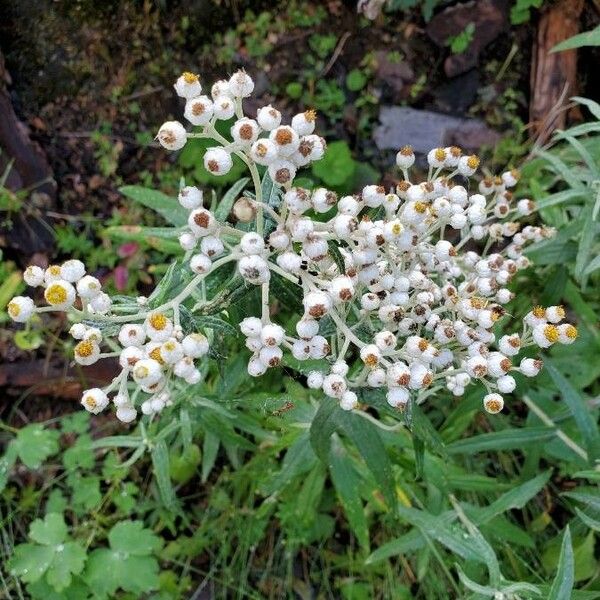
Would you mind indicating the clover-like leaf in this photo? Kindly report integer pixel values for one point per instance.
(53, 555)
(34, 444)
(127, 564)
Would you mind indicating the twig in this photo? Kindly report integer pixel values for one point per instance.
(336, 53)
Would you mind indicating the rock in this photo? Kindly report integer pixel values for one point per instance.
(424, 130)
(490, 18)
(456, 95)
(395, 74)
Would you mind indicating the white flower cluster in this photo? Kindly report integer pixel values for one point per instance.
(152, 352)
(401, 288)
(283, 150)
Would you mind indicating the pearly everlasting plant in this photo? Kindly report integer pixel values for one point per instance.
(401, 288)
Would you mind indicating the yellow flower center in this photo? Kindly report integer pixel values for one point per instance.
(493, 406)
(90, 401)
(54, 270)
(473, 162)
(571, 332)
(189, 77)
(406, 151)
(539, 312)
(310, 115)
(14, 310)
(55, 294)
(440, 154)
(84, 349)
(158, 321)
(155, 354)
(396, 228)
(420, 207)
(551, 333)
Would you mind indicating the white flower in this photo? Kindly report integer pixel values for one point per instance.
(301, 350)
(373, 195)
(268, 118)
(334, 386)
(245, 131)
(493, 403)
(286, 140)
(33, 276)
(349, 400)
(223, 108)
(212, 246)
(171, 351)
(282, 171)
(256, 367)
(217, 161)
(314, 380)
(126, 413)
(241, 85)
(187, 241)
(199, 111)
(60, 294)
(398, 397)
(279, 240)
(270, 356)
(555, 314)
(264, 152)
(319, 347)
(370, 355)
(272, 335)
(184, 367)
(525, 207)
(200, 264)
(172, 135)
(506, 384)
(437, 157)
(252, 243)
(323, 200)
(72, 270)
(341, 289)
(376, 378)
(304, 123)
(405, 157)
(190, 197)
(567, 334)
(188, 85)
(77, 331)
(20, 309)
(94, 400)
(86, 352)
(251, 326)
(132, 335)
(147, 372)
(101, 303)
(201, 222)
(130, 356)
(254, 269)
(530, 367)
(317, 304)
(297, 200)
(545, 335)
(158, 327)
(220, 89)
(467, 165)
(88, 287)
(307, 328)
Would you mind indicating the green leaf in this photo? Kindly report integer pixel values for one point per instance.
(323, 426)
(52, 530)
(579, 409)
(52, 555)
(127, 564)
(130, 537)
(356, 80)
(565, 573)
(347, 482)
(167, 207)
(515, 498)
(80, 454)
(508, 439)
(592, 523)
(365, 436)
(587, 38)
(34, 444)
(226, 203)
(337, 166)
(160, 462)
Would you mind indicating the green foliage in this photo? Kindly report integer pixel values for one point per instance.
(586, 38)
(461, 41)
(520, 12)
(51, 554)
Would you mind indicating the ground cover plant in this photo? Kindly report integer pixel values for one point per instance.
(326, 382)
